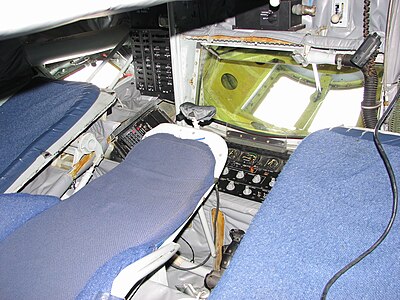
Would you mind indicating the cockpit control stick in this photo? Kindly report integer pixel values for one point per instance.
(214, 276)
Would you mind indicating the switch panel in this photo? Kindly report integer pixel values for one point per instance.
(251, 172)
(152, 61)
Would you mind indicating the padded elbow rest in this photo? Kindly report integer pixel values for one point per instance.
(330, 203)
(35, 118)
(76, 248)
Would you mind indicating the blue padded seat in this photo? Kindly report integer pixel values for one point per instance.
(35, 118)
(76, 248)
(16, 209)
(331, 202)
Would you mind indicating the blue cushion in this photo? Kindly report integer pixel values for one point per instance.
(35, 118)
(331, 202)
(16, 209)
(77, 247)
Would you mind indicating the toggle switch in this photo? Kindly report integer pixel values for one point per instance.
(340, 13)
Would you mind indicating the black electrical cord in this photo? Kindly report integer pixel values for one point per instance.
(194, 267)
(190, 246)
(215, 234)
(135, 288)
(393, 184)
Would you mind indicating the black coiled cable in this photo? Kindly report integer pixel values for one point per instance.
(369, 105)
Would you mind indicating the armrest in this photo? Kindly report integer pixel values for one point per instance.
(129, 276)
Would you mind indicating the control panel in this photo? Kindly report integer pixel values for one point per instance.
(269, 17)
(152, 61)
(128, 134)
(251, 172)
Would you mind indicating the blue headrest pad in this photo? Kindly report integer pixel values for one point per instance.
(77, 247)
(16, 209)
(331, 202)
(35, 118)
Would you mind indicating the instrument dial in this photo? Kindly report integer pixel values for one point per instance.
(233, 154)
(272, 164)
(248, 158)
